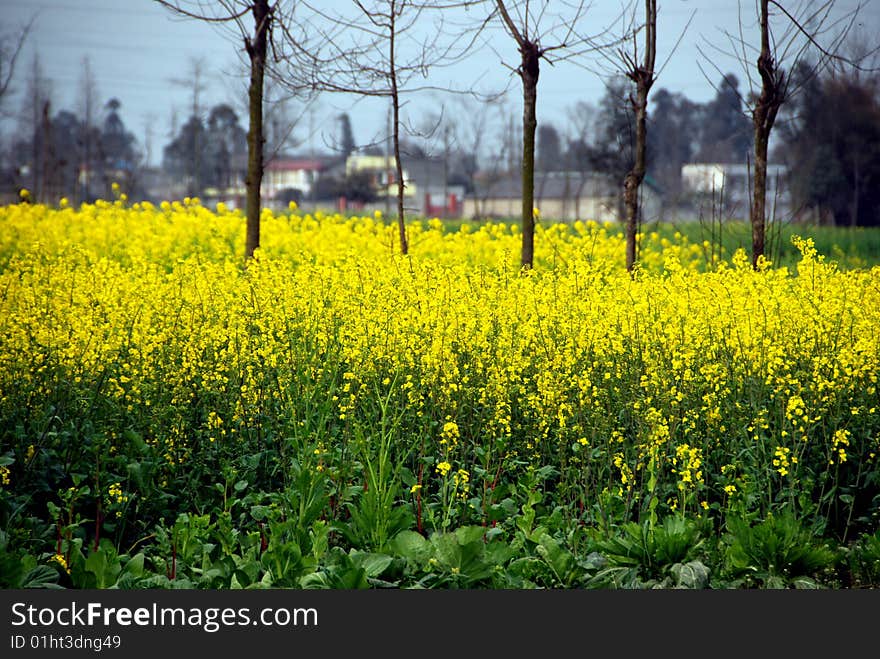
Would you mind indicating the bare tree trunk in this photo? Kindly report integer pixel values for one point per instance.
(529, 70)
(445, 171)
(763, 118)
(395, 108)
(388, 168)
(529, 73)
(88, 92)
(643, 75)
(256, 50)
(854, 206)
(636, 175)
(47, 164)
(36, 133)
(401, 217)
(760, 189)
(529, 37)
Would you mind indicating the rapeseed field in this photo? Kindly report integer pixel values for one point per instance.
(334, 414)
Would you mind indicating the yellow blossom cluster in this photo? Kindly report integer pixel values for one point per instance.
(152, 309)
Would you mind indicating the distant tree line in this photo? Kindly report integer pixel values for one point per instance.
(830, 142)
(827, 136)
(207, 153)
(65, 156)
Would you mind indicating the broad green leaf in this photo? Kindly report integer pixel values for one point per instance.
(468, 534)
(372, 564)
(135, 565)
(693, 574)
(411, 545)
(42, 576)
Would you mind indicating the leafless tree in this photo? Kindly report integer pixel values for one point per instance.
(194, 81)
(11, 45)
(284, 112)
(642, 75)
(255, 39)
(580, 127)
(636, 60)
(788, 36)
(539, 35)
(460, 131)
(33, 124)
(384, 49)
(88, 101)
(149, 128)
(525, 32)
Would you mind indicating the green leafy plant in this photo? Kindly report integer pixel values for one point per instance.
(864, 561)
(377, 510)
(452, 559)
(777, 552)
(354, 570)
(664, 555)
(24, 571)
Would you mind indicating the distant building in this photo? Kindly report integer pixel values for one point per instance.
(729, 186)
(292, 178)
(426, 191)
(559, 196)
(315, 182)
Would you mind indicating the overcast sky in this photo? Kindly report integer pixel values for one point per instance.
(138, 52)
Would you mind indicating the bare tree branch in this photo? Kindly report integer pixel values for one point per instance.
(803, 31)
(380, 49)
(12, 56)
(176, 8)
